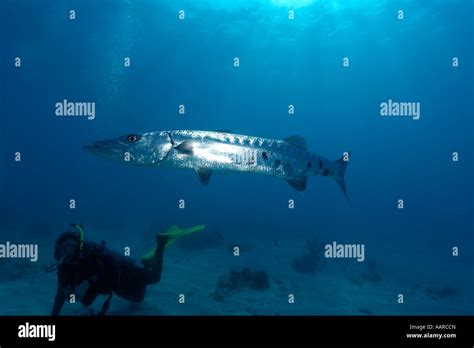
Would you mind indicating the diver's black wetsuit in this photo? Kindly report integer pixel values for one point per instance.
(106, 272)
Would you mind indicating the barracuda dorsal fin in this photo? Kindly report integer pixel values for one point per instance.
(296, 140)
(299, 183)
(224, 131)
(204, 175)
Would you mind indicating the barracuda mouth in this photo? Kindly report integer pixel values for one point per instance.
(106, 149)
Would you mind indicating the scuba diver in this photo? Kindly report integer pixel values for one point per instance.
(107, 272)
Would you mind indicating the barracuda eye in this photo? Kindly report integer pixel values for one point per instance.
(132, 138)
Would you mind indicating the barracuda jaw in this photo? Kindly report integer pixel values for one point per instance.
(148, 149)
(107, 149)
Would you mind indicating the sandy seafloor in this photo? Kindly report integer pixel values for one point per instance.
(338, 287)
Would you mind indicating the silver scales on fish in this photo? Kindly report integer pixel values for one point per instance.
(208, 151)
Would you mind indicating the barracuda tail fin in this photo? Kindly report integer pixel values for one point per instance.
(341, 165)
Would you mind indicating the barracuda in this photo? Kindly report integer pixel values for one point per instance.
(206, 151)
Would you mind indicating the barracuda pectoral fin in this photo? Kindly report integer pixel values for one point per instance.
(204, 175)
(298, 183)
(186, 147)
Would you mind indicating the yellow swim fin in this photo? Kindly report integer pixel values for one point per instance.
(172, 234)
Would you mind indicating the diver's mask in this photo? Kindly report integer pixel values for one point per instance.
(68, 249)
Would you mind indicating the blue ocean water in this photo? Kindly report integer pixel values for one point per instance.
(283, 62)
